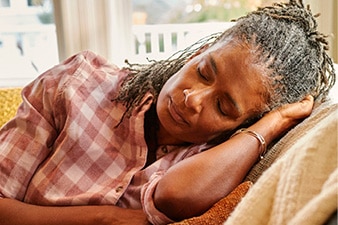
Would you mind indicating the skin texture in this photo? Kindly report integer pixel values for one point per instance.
(226, 167)
(214, 92)
(17, 213)
(217, 90)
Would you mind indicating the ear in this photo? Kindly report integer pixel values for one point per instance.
(199, 51)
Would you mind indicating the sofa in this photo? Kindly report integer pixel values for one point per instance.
(296, 182)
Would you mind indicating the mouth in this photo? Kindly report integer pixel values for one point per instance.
(175, 114)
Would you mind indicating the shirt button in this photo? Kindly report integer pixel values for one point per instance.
(119, 188)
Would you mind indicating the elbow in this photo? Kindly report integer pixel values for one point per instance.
(175, 203)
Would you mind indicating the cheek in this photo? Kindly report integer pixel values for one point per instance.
(209, 129)
(161, 107)
(173, 87)
(169, 86)
(212, 125)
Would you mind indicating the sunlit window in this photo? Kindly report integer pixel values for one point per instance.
(152, 29)
(192, 11)
(4, 3)
(161, 27)
(28, 44)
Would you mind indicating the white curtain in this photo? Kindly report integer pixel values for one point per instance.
(102, 26)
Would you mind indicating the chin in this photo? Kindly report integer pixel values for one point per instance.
(196, 140)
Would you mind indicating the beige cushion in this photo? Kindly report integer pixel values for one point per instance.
(284, 144)
(301, 186)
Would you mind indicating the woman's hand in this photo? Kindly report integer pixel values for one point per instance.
(210, 175)
(297, 111)
(279, 121)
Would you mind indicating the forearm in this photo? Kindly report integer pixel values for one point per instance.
(195, 184)
(13, 212)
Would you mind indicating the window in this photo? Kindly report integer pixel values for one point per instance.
(28, 44)
(192, 11)
(151, 12)
(162, 27)
(4, 3)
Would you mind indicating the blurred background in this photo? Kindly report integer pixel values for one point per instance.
(37, 34)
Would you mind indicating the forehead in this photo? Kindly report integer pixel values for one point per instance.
(239, 58)
(240, 73)
(238, 52)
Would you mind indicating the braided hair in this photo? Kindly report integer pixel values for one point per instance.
(289, 46)
(292, 49)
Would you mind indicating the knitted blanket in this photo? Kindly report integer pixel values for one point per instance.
(301, 186)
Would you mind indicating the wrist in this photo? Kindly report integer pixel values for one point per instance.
(260, 139)
(272, 126)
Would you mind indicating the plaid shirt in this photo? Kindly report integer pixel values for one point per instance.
(62, 148)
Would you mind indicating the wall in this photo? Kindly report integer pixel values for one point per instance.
(327, 22)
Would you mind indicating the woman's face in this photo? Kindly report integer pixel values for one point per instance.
(214, 92)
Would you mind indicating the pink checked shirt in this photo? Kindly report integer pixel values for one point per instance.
(62, 147)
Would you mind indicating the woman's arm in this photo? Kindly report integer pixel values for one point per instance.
(195, 184)
(13, 212)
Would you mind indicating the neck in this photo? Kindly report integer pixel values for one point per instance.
(164, 138)
(155, 133)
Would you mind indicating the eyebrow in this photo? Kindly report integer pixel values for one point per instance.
(213, 63)
(238, 111)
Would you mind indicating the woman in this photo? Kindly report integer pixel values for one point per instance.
(93, 144)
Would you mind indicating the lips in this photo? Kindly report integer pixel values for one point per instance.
(175, 113)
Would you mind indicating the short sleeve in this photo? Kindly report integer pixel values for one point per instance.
(154, 215)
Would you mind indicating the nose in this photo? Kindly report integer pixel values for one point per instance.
(194, 99)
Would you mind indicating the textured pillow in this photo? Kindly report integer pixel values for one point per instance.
(221, 210)
(300, 188)
(275, 151)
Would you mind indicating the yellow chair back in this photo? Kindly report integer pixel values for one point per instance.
(10, 99)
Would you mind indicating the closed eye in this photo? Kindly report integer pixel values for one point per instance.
(219, 107)
(201, 74)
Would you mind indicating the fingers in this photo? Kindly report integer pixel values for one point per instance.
(307, 103)
(298, 110)
(308, 100)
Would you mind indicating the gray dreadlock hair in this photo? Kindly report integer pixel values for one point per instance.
(289, 46)
(292, 49)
